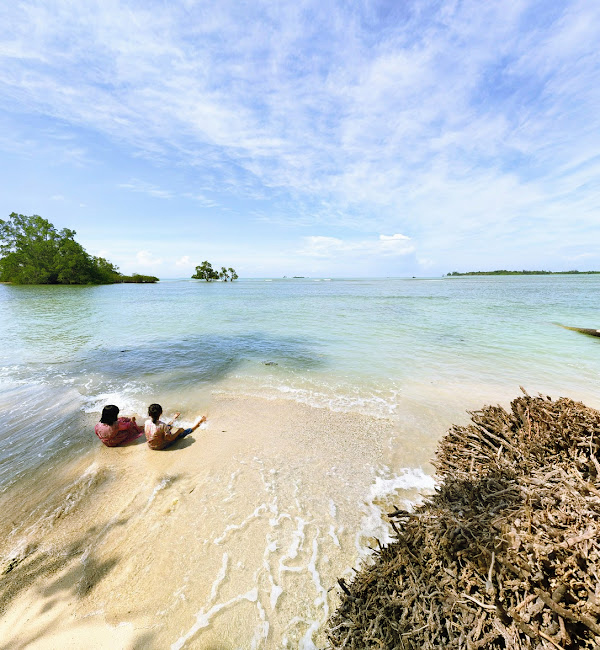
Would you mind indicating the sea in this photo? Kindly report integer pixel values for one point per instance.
(325, 399)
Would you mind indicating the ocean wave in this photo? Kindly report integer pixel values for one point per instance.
(26, 537)
(370, 401)
(126, 396)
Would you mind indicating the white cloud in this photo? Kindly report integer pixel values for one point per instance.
(144, 187)
(201, 199)
(393, 238)
(581, 256)
(184, 262)
(136, 185)
(329, 247)
(425, 263)
(146, 258)
(395, 244)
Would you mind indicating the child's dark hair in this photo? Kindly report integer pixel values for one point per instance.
(155, 411)
(110, 414)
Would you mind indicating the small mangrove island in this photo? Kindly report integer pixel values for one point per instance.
(32, 251)
(206, 272)
(504, 272)
(506, 554)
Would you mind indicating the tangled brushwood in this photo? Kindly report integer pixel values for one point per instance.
(506, 554)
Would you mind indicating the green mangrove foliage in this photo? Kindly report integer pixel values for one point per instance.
(32, 251)
(135, 278)
(206, 272)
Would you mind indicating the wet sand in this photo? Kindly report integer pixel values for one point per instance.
(233, 538)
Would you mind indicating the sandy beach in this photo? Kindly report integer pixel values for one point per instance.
(234, 538)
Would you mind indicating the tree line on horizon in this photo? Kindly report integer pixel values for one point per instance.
(33, 251)
(504, 272)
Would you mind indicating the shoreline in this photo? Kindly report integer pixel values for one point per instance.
(235, 535)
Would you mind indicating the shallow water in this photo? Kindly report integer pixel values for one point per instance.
(325, 402)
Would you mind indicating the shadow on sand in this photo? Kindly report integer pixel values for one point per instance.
(58, 576)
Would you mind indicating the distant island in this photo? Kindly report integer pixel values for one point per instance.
(504, 272)
(32, 251)
(206, 272)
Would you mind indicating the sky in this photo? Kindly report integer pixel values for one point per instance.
(348, 138)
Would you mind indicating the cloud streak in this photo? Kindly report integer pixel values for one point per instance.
(385, 245)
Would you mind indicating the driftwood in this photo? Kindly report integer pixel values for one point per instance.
(583, 330)
(506, 554)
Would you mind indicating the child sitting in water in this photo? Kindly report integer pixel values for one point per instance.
(160, 434)
(115, 431)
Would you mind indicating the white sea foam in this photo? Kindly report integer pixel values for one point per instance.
(220, 577)
(410, 478)
(9, 376)
(230, 486)
(262, 629)
(232, 527)
(203, 618)
(295, 546)
(339, 402)
(332, 508)
(276, 591)
(333, 535)
(271, 548)
(340, 399)
(373, 524)
(164, 483)
(321, 599)
(125, 398)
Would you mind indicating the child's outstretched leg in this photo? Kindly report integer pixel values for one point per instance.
(193, 428)
(200, 421)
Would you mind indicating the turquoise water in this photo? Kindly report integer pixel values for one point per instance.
(275, 500)
(365, 345)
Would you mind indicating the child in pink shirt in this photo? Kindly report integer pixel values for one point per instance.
(115, 431)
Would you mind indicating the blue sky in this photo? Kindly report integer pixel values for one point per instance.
(326, 138)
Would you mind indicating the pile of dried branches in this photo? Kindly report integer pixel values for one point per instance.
(506, 554)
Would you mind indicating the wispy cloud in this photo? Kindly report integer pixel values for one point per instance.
(147, 259)
(136, 185)
(154, 191)
(331, 247)
(201, 199)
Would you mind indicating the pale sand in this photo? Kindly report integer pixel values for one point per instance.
(232, 539)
